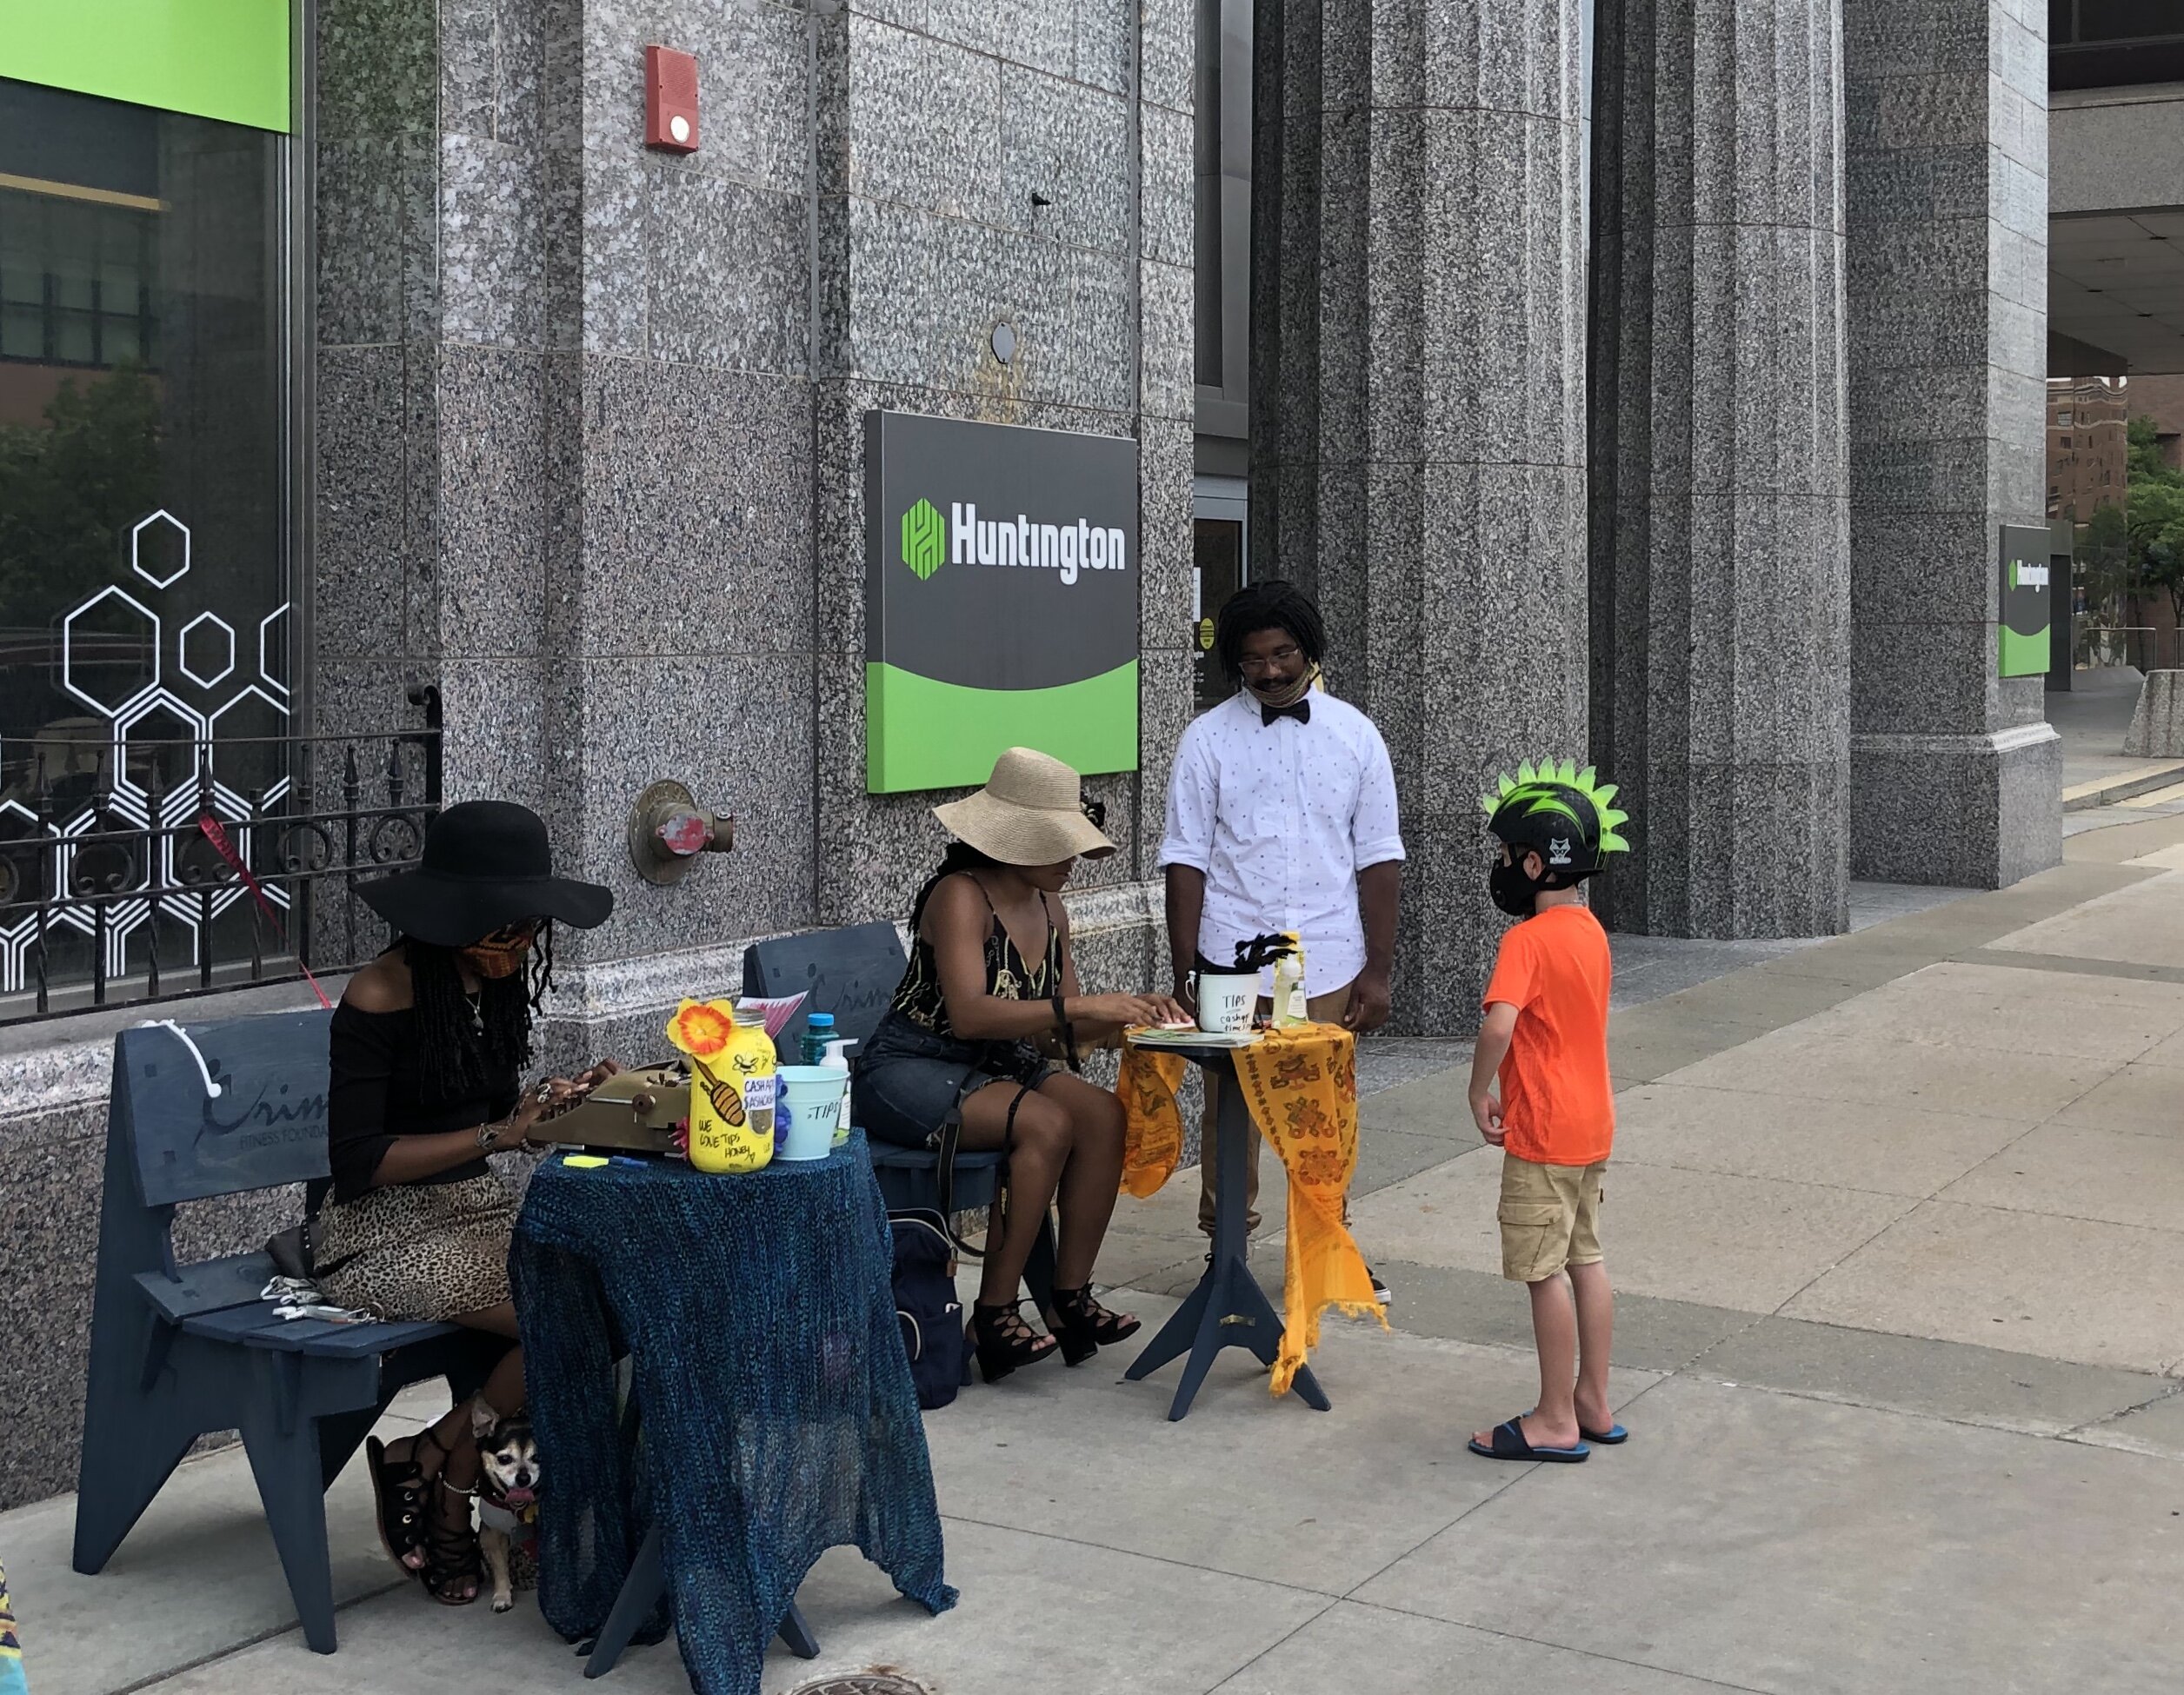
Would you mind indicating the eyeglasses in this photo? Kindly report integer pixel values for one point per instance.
(1274, 660)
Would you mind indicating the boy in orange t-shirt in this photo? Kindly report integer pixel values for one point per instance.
(1545, 1034)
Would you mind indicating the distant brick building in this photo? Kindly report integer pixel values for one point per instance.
(2087, 445)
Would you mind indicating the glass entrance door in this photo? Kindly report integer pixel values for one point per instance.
(1220, 509)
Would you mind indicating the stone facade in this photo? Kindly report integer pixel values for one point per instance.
(588, 430)
(1954, 775)
(587, 440)
(1721, 555)
(1418, 406)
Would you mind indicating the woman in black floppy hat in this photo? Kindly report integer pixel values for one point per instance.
(428, 1049)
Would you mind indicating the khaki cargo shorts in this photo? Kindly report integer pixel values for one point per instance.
(1550, 1218)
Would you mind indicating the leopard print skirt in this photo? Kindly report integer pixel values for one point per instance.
(428, 1251)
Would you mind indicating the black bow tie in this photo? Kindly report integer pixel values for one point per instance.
(1299, 710)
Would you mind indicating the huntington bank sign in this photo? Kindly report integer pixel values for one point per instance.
(1069, 548)
(1001, 599)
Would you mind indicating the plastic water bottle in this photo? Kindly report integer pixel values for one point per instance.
(818, 1032)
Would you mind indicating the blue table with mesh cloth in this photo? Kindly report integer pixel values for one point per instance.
(771, 1415)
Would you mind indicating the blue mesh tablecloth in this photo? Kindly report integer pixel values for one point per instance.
(777, 1414)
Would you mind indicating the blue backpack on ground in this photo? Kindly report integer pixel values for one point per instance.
(931, 1317)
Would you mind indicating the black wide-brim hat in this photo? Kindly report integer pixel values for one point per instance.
(486, 865)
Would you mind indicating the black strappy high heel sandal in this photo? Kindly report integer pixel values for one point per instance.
(400, 1487)
(1005, 1339)
(451, 1555)
(1082, 1325)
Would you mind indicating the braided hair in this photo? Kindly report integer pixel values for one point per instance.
(1273, 604)
(960, 856)
(458, 1055)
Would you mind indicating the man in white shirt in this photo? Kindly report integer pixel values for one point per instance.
(1281, 816)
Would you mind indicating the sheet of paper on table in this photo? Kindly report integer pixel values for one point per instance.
(1150, 1037)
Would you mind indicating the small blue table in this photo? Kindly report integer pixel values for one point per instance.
(778, 1417)
(1228, 1309)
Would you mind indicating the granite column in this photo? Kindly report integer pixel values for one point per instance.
(1418, 400)
(1720, 501)
(1955, 776)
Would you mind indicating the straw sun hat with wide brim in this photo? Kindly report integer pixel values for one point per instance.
(486, 865)
(1031, 812)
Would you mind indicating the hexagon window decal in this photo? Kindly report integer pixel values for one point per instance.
(159, 549)
(207, 652)
(273, 647)
(160, 744)
(110, 651)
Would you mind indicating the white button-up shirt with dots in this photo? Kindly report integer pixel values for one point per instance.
(1282, 817)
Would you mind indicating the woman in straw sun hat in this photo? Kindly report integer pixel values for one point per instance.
(970, 1045)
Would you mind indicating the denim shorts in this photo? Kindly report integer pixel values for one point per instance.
(909, 1078)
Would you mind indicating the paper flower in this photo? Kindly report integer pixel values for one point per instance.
(703, 1029)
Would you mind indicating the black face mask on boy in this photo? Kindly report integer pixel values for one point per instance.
(1512, 891)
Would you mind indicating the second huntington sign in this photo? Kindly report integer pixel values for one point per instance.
(1001, 599)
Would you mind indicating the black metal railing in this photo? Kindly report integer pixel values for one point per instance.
(133, 872)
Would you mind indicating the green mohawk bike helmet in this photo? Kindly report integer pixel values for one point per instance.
(1561, 813)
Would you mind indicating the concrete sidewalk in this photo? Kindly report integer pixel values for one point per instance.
(1898, 1223)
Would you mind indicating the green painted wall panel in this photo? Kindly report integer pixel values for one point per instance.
(226, 59)
(921, 733)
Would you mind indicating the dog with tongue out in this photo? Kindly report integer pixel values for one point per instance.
(508, 1508)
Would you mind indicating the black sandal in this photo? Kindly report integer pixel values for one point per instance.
(1083, 1325)
(1005, 1339)
(451, 1554)
(399, 1488)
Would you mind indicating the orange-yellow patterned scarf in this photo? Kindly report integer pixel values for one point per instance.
(1301, 1085)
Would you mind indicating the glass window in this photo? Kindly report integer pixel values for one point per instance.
(144, 559)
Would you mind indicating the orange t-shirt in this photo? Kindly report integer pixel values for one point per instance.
(1557, 1106)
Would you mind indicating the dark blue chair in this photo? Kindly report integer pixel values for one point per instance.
(223, 1109)
(853, 973)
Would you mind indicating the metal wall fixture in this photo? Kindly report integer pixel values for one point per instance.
(668, 830)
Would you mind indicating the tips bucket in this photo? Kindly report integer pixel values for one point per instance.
(809, 1110)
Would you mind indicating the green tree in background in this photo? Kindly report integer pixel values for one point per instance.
(2157, 517)
(71, 488)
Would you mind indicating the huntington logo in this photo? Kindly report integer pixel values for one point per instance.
(964, 538)
(924, 539)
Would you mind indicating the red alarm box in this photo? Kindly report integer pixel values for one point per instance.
(670, 100)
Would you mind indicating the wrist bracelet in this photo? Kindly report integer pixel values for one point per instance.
(487, 1134)
(1069, 1033)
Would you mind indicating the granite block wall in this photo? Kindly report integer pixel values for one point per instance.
(1946, 164)
(588, 461)
(1720, 510)
(1418, 382)
(977, 166)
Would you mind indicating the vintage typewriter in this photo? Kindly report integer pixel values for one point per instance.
(636, 1111)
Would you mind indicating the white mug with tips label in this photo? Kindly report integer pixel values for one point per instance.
(1226, 1001)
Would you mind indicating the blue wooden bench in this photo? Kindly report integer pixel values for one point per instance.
(179, 1350)
(853, 973)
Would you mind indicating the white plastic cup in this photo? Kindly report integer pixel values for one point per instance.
(812, 1101)
(1226, 1001)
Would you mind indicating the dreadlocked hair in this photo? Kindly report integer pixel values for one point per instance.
(1270, 605)
(960, 856)
(455, 1056)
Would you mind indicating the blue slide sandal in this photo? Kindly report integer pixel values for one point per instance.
(1510, 1444)
(1612, 1436)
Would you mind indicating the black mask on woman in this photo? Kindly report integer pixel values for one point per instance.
(1512, 890)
